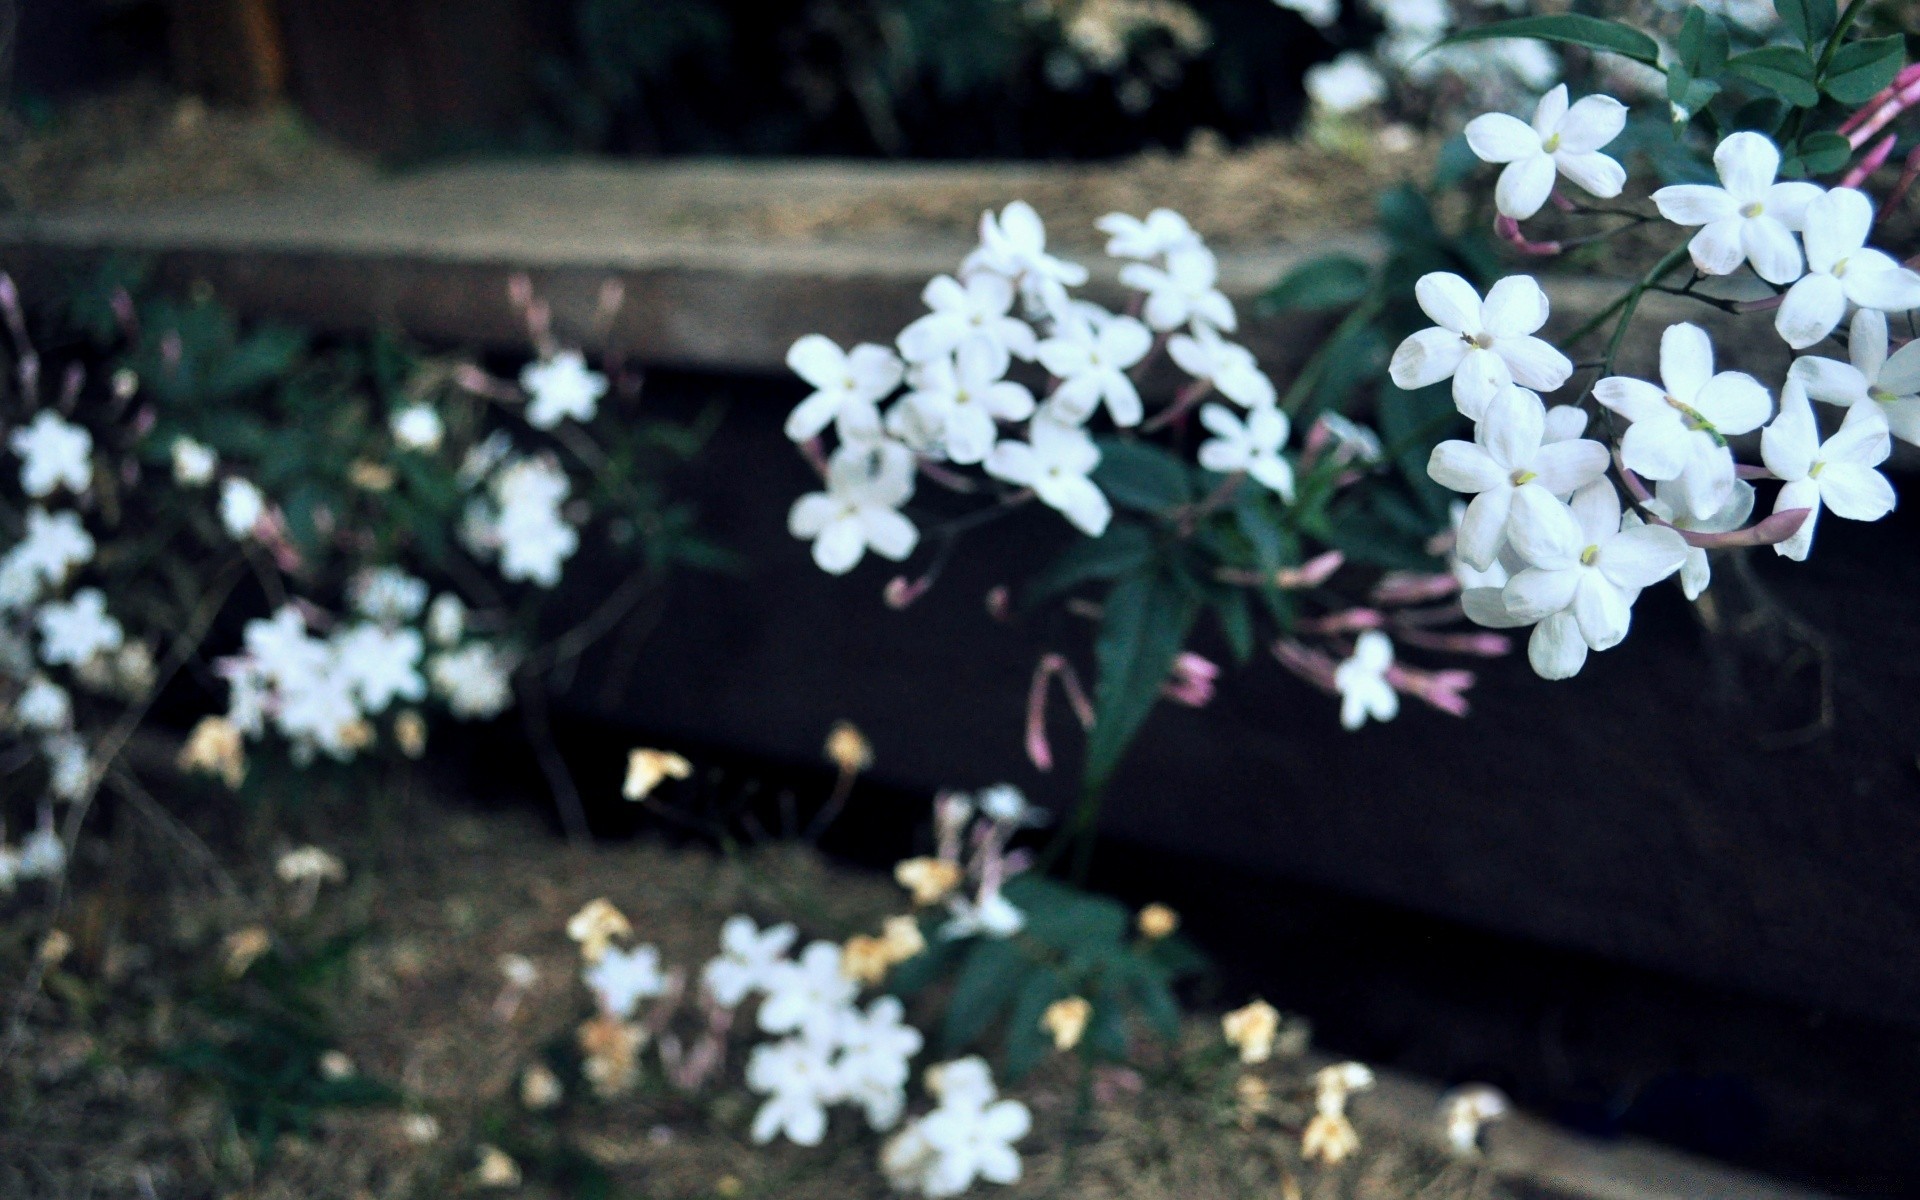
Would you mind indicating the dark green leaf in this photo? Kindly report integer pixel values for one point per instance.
(1764, 115)
(1860, 69)
(1236, 622)
(1141, 476)
(1336, 281)
(1822, 153)
(1807, 21)
(1702, 43)
(1144, 624)
(1406, 217)
(1782, 70)
(1570, 29)
(1027, 1042)
(1153, 992)
(1455, 162)
(1121, 550)
(986, 983)
(1065, 917)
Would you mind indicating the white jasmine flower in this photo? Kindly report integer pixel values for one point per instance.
(419, 427)
(43, 705)
(1252, 446)
(1317, 13)
(1355, 441)
(473, 680)
(1014, 245)
(1564, 423)
(858, 512)
(281, 648)
(1362, 682)
(1231, 369)
(381, 665)
(1511, 472)
(241, 506)
(1187, 289)
(970, 1143)
(1091, 358)
(1749, 217)
(1162, 232)
(993, 916)
(847, 386)
(1055, 462)
(74, 631)
(1428, 17)
(446, 619)
(1007, 804)
(1680, 430)
(799, 1079)
(747, 959)
(806, 996)
(193, 463)
(42, 855)
(623, 978)
(1562, 140)
(981, 308)
(69, 769)
(533, 547)
(875, 1049)
(54, 545)
(963, 396)
(54, 454)
(1840, 269)
(1481, 345)
(1891, 383)
(1587, 571)
(562, 387)
(387, 594)
(1837, 474)
(319, 711)
(1670, 505)
(19, 585)
(1346, 85)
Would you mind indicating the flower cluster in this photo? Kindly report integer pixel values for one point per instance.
(1410, 56)
(972, 836)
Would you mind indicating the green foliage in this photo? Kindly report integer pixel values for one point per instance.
(1142, 628)
(1334, 281)
(1571, 29)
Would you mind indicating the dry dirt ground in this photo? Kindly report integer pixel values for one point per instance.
(434, 897)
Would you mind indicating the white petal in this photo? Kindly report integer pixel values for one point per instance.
(1592, 123)
(1790, 442)
(1485, 607)
(1543, 531)
(1564, 467)
(1656, 448)
(1524, 186)
(1695, 204)
(1696, 574)
(1901, 375)
(1602, 612)
(1686, 360)
(1450, 301)
(1707, 482)
(1482, 375)
(1535, 363)
(1836, 225)
(817, 360)
(1484, 529)
(812, 415)
(1079, 501)
(1499, 138)
(1598, 174)
(1855, 492)
(1718, 249)
(1890, 290)
(1810, 311)
(1551, 111)
(1556, 650)
(1512, 427)
(889, 533)
(1734, 402)
(1564, 423)
(1867, 342)
(1831, 381)
(840, 545)
(1787, 203)
(1862, 438)
(1426, 358)
(1747, 163)
(1465, 467)
(811, 513)
(1634, 399)
(1536, 594)
(1772, 250)
(1641, 557)
(1275, 473)
(1804, 493)
(1515, 306)
(1014, 462)
(1596, 510)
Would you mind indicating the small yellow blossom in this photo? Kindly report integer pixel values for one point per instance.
(903, 938)
(410, 733)
(309, 863)
(335, 1066)
(215, 748)
(55, 947)
(540, 1087)
(848, 748)
(370, 476)
(420, 1128)
(728, 1186)
(648, 769)
(864, 959)
(929, 879)
(496, 1170)
(1251, 1030)
(1066, 1021)
(611, 1048)
(242, 947)
(1329, 1138)
(1157, 921)
(595, 926)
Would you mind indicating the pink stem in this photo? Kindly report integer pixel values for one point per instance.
(1050, 665)
(1509, 231)
(1901, 101)
(1774, 529)
(1907, 75)
(1870, 162)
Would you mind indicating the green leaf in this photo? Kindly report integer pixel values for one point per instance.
(1787, 72)
(1702, 43)
(1153, 992)
(1455, 162)
(986, 983)
(1808, 22)
(1143, 626)
(1406, 217)
(1764, 115)
(1065, 917)
(1860, 69)
(1141, 476)
(1570, 29)
(1235, 613)
(1335, 281)
(1822, 153)
(1027, 1043)
(1121, 550)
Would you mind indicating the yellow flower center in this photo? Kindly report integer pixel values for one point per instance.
(1695, 421)
(1479, 341)
(1551, 144)
(1753, 210)
(1588, 555)
(1523, 476)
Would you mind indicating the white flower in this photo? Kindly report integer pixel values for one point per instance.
(387, 594)
(1163, 231)
(419, 427)
(533, 548)
(1091, 358)
(193, 463)
(847, 386)
(54, 545)
(1231, 369)
(1317, 13)
(1680, 430)
(562, 387)
(319, 711)
(1014, 245)
(798, 1077)
(281, 648)
(1670, 504)
(623, 978)
(1252, 446)
(1481, 345)
(1429, 17)
(241, 506)
(1511, 472)
(473, 680)
(446, 619)
(1891, 383)
(1362, 682)
(1841, 269)
(806, 996)
(963, 396)
(54, 454)
(1055, 462)
(970, 1143)
(1562, 140)
(1564, 423)
(1587, 571)
(858, 512)
(381, 665)
(1748, 217)
(1836, 474)
(980, 308)
(43, 705)
(1355, 441)
(1186, 290)
(69, 770)
(747, 959)
(1347, 84)
(875, 1048)
(75, 631)
(993, 915)
(1007, 804)
(19, 586)
(42, 855)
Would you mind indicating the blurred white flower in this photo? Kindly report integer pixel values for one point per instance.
(979, 309)
(53, 546)
(241, 506)
(1347, 84)
(1841, 270)
(1091, 358)
(1055, 462)
(193, 463)
(1362, 682)
(847, 386)
(747, 959)
(446, 619)
(418, 427)
(381, 665)
(387, 594)
(1318, 13)
(623, 978)
(799, 1080)
(1162, 232)
(1892, 383)
(74, 631)
(42, 854)
(43, 705)
(562, 387)
(474, 680)
(858, 511)
(1252, 446)
(806, 995)
(1014, 245)
(965, 395)
(1232, 369)
(54, 454)
(1186, 289)
(1481, 345)
(1837, 474)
